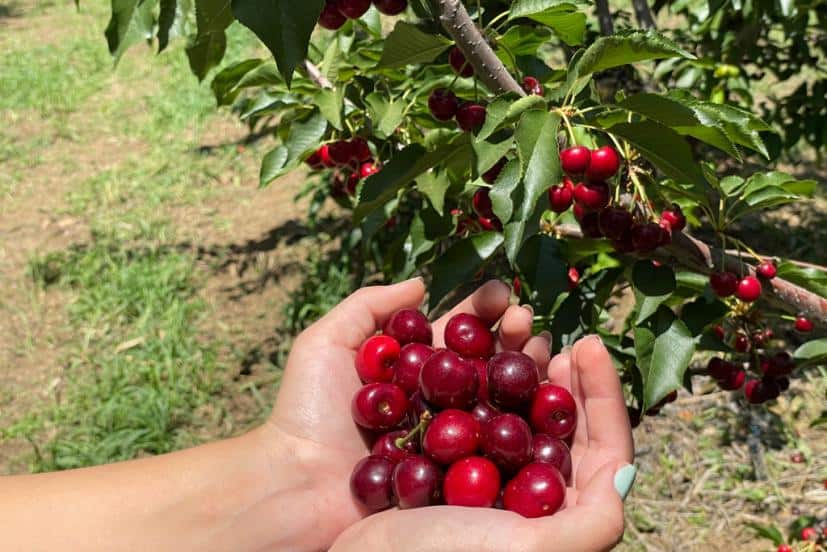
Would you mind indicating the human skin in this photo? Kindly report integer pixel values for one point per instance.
(284, 485)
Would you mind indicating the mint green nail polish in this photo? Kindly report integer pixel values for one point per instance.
(624, 479)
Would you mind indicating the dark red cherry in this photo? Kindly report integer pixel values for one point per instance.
(472, 481)
(482, 203)
(560, 197)
(459, 64)
(718, 367)
(575, 160)
(368, 169)
(447, 381)
(451, 435)
(340, 152)
(592, 195)
(733, 379)
(443, 104)
(409, 366)
(604, 164)
(379, 406)
(615, 222)
(512, 379)
(390, 7)
(353, 9)
(646, 237)
(491, 224)
(553, 411)
(749, 289)
(724, 284)
(418, 407)
(590, 224)
(331, 18)
(490, 176)
(506, 440)
(315, 161)
(767, 270)
(376, 357)
(386, 446)
(675, 217)
(409, 326)
(537, 490)
(483, 412)
(360, 149)
(470, 116)
(554, 451)
(742, 343)
(469, 336)
(417, 482)
(532, 86)
(481, 366)
(370, 482)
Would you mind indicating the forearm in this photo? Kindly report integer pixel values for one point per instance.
(236, 494)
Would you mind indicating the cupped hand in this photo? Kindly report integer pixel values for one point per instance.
(593, 517)
(312, 420)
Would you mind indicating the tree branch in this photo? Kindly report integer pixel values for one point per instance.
(643, 14)
(487, 66)
(604, 18)
(699, 257)
(314, 74)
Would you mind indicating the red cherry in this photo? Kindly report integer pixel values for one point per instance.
(472, 481)
(482, 203)
(376, 357)
(409, 326)
(804, 324)
(538, 490)
(447, 381)
(615, 222)
(749, 289)
(409, 366)
(646, 237)
(315, 161)
(575, 160)
(459, 64)
(724, 284)
(370, 482)
(742, 343)
(517, 286)
(490, 224)
(379, 406)
(665, 233)
(574, 278)
(624, 244)
(732, 380)
(605, 162)
(470, 116)
(675, 217)
(532, 86)
(469, 336)
(553, 411)
(719, 332)
(809, 533)
(767, 270)
(390, 7)
(483, 412)
(560, 197)
(754, 392)
(783, 383)
(590, 224)
(797, 458)
(717, 367)
(353, 9)
(443, 104)
(490, 176)
(784, 548)
(554, 451)
(592, 195)
(580, 212)
(324, 155)
(385, 446)
(360, 149)
(481, 366)
(331, 18)
(512, 379)
(780, 364)
(352, 184)
(368, 169)
(451, 435)
(507, 441)
(340, 152)
(418, 406)
(417, 482)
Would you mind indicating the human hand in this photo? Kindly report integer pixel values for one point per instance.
(311, 420)
(592, 519)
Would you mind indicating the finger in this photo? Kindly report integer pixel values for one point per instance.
(515, 328)
(559, 370)
(597, 388)
(488, 302)
(365, 311)
(538, 348)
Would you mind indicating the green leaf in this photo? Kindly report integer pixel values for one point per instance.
(132, 21)
(402, 169)
(702, 312)
(664, 349)
(809, 278)
(461, 262)
(284, 26)
(330, 103)
(487, 154)
(173, 21)
(653, 280)
(664, 147)
(225, 84)
(504, 111)
(502, 192)
(812, 351)
(522, 40)
(386, 114)
(205, 52)
(409, 45)
(560, 15)
(770, 532)
(305, 135)
(273, 164)
(434, 185)
(541, 262)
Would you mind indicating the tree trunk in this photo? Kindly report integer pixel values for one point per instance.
(604, 17)
(643, 14)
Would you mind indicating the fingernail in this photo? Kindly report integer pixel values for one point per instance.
(596, 337)
(530, 309)
(545, 334)
(566, 350)
(624, 479)
(408, 281)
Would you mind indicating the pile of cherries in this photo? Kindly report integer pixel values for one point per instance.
(460, 425)
(352, 161)
(586, 188)
(336, 12)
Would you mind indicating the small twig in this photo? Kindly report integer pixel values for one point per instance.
(604, 18)
(643, 14)
(314, 74)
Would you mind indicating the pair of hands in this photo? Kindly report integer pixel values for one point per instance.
(312, 422)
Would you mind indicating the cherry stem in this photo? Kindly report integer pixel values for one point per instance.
(424, 420)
